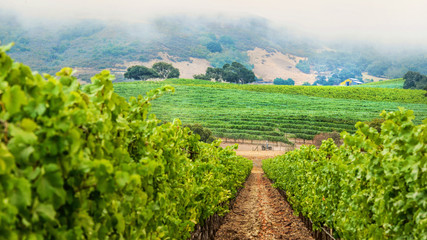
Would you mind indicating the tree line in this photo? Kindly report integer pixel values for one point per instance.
(415, 80)
(159, 70)
(233, 73)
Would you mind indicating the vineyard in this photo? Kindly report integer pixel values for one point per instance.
(392, 83)
(231, 111)
(81, 162)
(356, 93)
(372, 187)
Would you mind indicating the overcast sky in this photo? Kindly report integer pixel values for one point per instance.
(389, 21)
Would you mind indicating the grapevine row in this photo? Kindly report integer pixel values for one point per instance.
(372, 187)
(235, 108)
(80, 162)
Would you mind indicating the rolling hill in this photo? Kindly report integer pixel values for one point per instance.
(90, 45)
(392, 83)
(273, 112)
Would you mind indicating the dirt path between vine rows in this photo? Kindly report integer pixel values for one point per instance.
(260, 211)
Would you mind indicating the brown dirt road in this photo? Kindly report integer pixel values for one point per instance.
(260, 211)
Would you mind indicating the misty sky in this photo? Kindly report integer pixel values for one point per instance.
(387, 21)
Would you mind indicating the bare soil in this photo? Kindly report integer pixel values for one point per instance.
(260, 211)
(365, 75)
(271, 65)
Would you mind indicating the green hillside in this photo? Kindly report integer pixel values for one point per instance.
(392, 83)
(270, 112)
(96, 45)
(101, 45)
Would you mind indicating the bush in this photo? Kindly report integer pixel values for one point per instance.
(280, 81)
(414, 80)
(214, 47)
(201, 77)
(204, 133)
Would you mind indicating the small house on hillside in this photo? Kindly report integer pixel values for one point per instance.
(351, 82)
(356, 81)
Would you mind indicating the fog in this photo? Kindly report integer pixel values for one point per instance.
(383, 22)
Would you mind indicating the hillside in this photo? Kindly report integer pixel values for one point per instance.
(272, 112)
(271, 65)
(92, 45)
(392, 83)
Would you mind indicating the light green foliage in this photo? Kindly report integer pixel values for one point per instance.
(381, 94)
(83, 163)
(261, 112)
(373, 187)
(392, 83)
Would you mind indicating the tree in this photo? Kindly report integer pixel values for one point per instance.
(214, 47)
(280, 81)
(320, 80)
(306, 84)
(234, 73)
(334, 80)
(140, 73)
(201, 77)
(378, 68)
(214, 73)
(165, 70)
(414, 80)
(237, 73)
(303, 66)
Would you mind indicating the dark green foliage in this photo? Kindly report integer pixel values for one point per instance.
(237, 73)
(414, 80)
(234, 73)
(204, 133)
(303, 66)
(214, 47)
(165, 70)
(378, 68)
(306, 84)
(320, 80)
(226, 40)
(281, 81)
(215, 73)
(201, 77)
(140, 73)
(335, 79)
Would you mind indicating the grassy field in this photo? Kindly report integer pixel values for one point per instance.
(270, 112)
(357, 93)
(392, 83)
